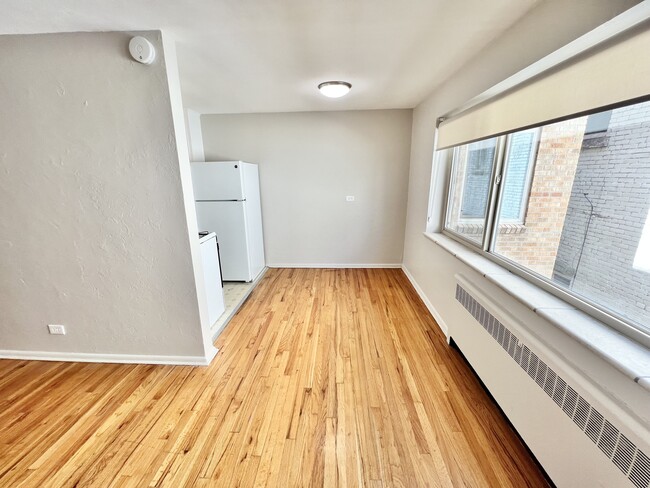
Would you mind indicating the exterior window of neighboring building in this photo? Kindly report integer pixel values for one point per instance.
(480, 159)
(472, 168)
(520, 160)
(598, 122)
(570, 206)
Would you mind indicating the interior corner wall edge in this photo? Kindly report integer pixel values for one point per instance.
(184, 172)
(93, 233)
(546, 28)
(194, 135)
(309, 162)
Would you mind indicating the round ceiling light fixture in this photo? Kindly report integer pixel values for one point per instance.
(334, 89)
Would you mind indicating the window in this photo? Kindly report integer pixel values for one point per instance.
(596, 130)
(598, 122)
(478, 173)
(472, 168)
(571, 214)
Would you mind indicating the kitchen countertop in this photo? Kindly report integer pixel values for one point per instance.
(211, 235)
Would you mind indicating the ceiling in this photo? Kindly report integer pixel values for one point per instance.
(239, 56)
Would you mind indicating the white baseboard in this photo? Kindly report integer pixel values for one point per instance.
(213, 353)
(82, 357)
(436, 316)
(335, 265)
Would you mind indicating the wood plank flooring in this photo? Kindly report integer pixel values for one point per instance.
(324, 378)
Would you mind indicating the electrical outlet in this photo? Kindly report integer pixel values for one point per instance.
(56, 329)
(349, 198)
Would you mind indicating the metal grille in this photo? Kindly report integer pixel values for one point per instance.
(625, 455)
(640, 472)
(532, 365)
(582, 413)
(608, 439)
(570, 401)
(594, 425)
(551, 376)
(541, 374)
(560, 390)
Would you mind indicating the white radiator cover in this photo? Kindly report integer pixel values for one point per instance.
(580, 430)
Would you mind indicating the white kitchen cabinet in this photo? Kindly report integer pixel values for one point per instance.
(212, 277)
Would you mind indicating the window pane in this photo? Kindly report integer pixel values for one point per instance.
(470, 186)
(519, 163)
(477, 182)
(587, 225)
(598, 122)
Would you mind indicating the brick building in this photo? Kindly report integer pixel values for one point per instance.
(533, 242)
(607, 213)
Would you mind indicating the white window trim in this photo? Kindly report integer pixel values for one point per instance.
(486, 220)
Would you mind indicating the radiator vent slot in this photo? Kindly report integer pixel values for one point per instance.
(625, 455)
(608, 439)
(570, 401)
(560, 390)
(640, 473)
(582, 412)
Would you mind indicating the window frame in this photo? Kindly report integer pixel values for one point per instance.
(496, 166)
(605, 315)
(472, 220)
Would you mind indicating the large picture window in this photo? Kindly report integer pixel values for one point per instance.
(568, 203)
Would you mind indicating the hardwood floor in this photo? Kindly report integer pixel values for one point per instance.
(324, 378)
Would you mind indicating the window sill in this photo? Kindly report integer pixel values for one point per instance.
(467, 228)
(629, 357)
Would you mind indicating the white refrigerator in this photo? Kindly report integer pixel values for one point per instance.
(227, 195)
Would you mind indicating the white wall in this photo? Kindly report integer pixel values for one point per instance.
(94, 232)
(309, 162)
(546, 28)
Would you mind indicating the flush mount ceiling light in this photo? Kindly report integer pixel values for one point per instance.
(334, 89)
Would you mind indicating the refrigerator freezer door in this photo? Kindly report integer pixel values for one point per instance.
(217, 181)
(228, 220)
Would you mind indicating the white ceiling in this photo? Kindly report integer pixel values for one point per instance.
(240, 56)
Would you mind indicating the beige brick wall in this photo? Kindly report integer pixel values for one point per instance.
(535, 243)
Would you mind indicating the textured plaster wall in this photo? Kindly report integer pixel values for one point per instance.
(93, 232)
(309, 162)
